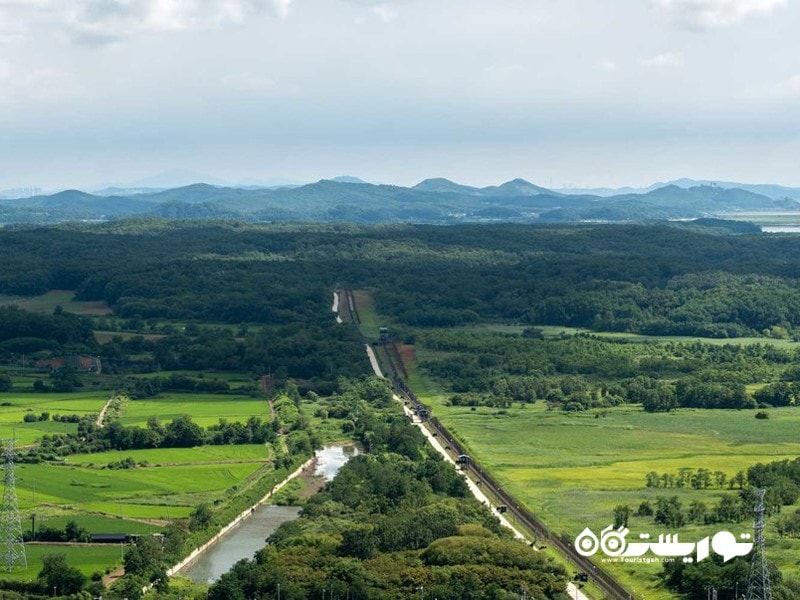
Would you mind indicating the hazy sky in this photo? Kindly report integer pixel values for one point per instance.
(581, 92)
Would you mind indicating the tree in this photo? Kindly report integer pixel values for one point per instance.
(75, 533)
(57, 575)
(6, 385)
(729, 509)
(661, 399)
(789, 525)
(182, 432)
(668, 512)
(201, 516)
(621, 515)
(359, 542)
(697, 512)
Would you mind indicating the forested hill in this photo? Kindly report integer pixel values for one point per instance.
(431, 201)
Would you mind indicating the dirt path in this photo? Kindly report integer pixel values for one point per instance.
(266, 387)
(113, 576)
(102, 414)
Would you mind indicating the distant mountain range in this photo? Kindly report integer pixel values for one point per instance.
(776, 192)
(350, 199)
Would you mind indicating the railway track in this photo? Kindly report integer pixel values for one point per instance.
(612, 589)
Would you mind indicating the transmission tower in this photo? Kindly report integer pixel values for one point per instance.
(758, 587)
(11, 524)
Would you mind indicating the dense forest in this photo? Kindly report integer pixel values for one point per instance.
(650, 279)
(266, 290)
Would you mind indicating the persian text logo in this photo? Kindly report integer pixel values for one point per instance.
(613, 543)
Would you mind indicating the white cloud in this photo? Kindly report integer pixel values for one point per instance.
(608, 65)
(664, 59)
(104, 21)
(385, 13)
(5, 71)
(714, 13)
(385, 10)
(13, 26)
(789, 88)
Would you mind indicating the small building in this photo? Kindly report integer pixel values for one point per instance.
(383, 334)
(84, 364)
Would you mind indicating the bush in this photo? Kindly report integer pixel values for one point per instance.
(762, 415)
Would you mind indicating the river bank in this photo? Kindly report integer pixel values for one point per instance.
(246, 534)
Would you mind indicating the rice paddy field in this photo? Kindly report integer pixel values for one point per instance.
(143, 492)
(178, 456)
(168, 483)
(14, 406)
(89, 558)
(205, 409)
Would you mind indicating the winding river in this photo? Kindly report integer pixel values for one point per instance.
(244, 540)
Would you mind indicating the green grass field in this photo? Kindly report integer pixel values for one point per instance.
(88, 558)
(252, 453)
(205, 409)
(143, 492)
(14, 406)
(370, 322)
(572, 469)
(93, 523)
(46, 303)
(558, 330)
